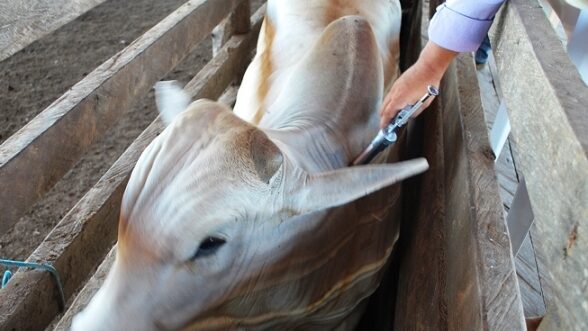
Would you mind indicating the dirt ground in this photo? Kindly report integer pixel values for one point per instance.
(36, 76)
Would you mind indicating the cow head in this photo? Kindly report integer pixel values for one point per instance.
(200, 214)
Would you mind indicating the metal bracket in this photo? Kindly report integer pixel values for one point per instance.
(520, 217)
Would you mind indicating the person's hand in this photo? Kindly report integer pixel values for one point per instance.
(412, 84)
(407, 89)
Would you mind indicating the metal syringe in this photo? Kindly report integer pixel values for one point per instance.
(387, 136)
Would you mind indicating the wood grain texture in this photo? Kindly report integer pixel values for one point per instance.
(23, 22)
(240, 18)
(86, 294)
(506, 172)
(531, 292)
(547, 104)
(38, 155)
(501, 301)
(420, 302)
(220, 34)
(458, 272)
(229, 96)
(80, 241)
(231, 61)
(238, 22)
(422, 279)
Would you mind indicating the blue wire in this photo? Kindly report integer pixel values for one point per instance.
(45, 266)
(6, 278)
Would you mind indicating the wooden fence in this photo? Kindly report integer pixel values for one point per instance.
(454, 268)
(547, 104)
(58, 137)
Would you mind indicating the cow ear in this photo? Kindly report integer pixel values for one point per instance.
(170, 99)
(330, 189)
(266, 156)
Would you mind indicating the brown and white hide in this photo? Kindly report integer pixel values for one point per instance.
(252, 220)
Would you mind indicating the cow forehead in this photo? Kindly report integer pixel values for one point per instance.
(192, 179)
(168, 221)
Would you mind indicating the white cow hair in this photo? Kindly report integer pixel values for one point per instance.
(170, 99)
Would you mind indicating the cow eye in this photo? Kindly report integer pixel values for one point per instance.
(208, 247)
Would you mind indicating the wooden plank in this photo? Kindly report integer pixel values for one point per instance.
(87, 293)
(230, 62)
(74, 246)
(547, 107)
(236, 23)
(229, 96)
(500, 295)
(23, 22)
(38, 155)
(531, 292)
(464, 277)
(420, 302)
(422, 279)
(525, 262)
(465, 308)
(240, 18)
(83, 237)
(220, 34)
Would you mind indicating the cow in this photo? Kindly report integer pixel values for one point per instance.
(253, 219)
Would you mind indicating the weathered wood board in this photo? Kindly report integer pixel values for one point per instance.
(24, 21)
(458, 271)
(548, 109)
(80, 241)
(508, 180)
(90, 288)
(236, 23)
(38, 155)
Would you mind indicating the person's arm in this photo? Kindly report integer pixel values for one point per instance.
(458, 26)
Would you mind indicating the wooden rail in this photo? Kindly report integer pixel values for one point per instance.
(39, 154)
(456, 266)
(23, 22)
(458, 270)
(84, 236)
(548, 108)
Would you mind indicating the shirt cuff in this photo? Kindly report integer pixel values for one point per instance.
(457, 32)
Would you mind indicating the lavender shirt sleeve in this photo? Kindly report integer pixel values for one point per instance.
(461, 25)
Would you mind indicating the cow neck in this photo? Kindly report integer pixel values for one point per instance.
(323, 146)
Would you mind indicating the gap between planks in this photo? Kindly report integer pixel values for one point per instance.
(508, 179)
